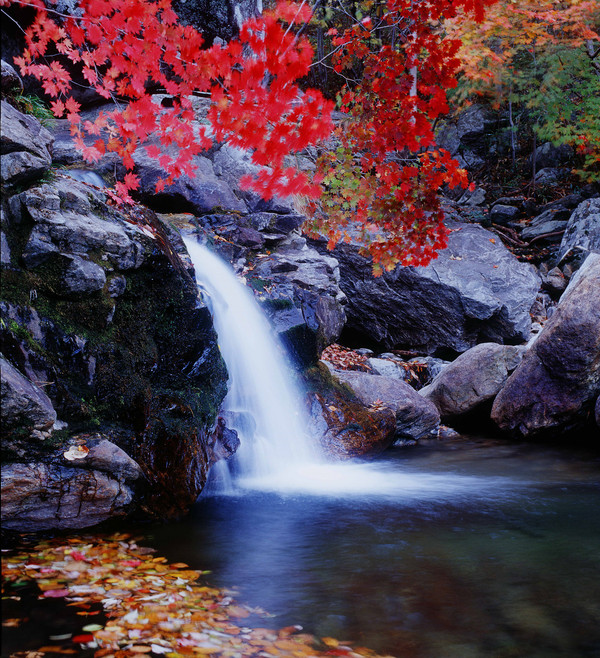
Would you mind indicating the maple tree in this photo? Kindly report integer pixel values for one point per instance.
(381, 179)
(542, 58)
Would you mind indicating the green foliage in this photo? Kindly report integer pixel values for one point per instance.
(34, 105)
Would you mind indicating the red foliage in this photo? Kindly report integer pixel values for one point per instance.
(381, 182)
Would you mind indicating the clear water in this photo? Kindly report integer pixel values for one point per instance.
(506, 566)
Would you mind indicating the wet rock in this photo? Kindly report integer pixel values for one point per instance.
(582, 232)
(416, 417)
(344, 425)
(49, 497)
(24, 404)
(476, 291)
(4, 250)
(475, 376)
(554, 388)
(24, 145)
(550, 175)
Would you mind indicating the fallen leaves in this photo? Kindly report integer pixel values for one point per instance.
(152, 607)
(344, 358)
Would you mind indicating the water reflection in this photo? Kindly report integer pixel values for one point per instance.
(512, 574)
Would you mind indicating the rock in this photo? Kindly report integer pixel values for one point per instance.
(582, 232)
(598, 412)
(11, 80)
(105, 456)
(387, 368)
(554, 388)
(48, 497)
(549, 155)
(475, 198)
(416, 417)
(4, 249)
(65, 223)
(24, 404)
(216, 19)
(502, 214)
(304, 300)
(554, 282)
(550, 175)
(468, 136)
(201, 194)
(24, 145)
(552, 220)
(476, 291)
(475, 376)
(83, 276)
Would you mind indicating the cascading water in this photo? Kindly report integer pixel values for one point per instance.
(262, 403)
(265, 407)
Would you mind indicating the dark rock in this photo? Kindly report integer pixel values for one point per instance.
(24, 404)
(24, 147)
(416, 417)
(502, 214)
(549, 155)
(582, 232)
(475, 376)
(598, 412)
(107, 457)
(554, 282)
(475, 198)
(83, 276)
(45, 496)
(554, 388)
(550, 221)
(11, 80)
(4, 250)
(550, 175)
(201, 194)
(475, 291)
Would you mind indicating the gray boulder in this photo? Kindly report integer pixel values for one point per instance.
(468, 136)
(416, 417)
(82, 276)
(299, 290)
(24, 403)
(582, 233)
(554, 388)
(549, 155)
(11, 80)
(43, 497)
(550, 175)
(476, 291)
(475, 376)
(105, 456)
(552, 220)
(503, 214)
(24, 147)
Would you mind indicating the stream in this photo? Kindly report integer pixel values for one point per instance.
(506, 569)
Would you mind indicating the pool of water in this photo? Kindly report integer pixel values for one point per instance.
(487, 549)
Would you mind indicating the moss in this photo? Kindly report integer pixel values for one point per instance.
(280, 304)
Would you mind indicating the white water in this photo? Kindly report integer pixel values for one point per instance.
(266, 409)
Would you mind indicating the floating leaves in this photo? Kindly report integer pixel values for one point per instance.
(152, 607)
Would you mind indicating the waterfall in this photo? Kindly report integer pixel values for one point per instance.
(266, 409)
(262, 404)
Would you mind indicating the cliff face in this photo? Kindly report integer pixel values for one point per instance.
(111, 374)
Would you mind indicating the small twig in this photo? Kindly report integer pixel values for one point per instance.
(546, 235)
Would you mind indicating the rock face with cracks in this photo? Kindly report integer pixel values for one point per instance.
(555, 387)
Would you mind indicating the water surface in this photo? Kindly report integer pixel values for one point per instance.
(490, 549)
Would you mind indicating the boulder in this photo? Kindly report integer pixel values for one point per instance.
(554, 388)
(549, 155)
(83, 276)
(105, 456)
(416, 417)
(598, 412)
(551, 175)
(50, 497)
(346, 429)
(24, 147)
(503, 214)
(582, 232)
(11, 80)
(299, 290)
(554, 220)
(216, 19)
(24, 404)
(202, 193)
(475, 376)
(476, 291)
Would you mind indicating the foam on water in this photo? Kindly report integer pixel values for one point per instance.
(266, 409)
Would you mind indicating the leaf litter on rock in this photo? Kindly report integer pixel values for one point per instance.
(151, 607)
